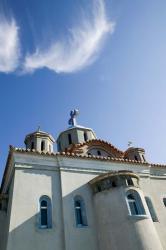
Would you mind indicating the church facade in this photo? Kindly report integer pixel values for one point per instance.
(86, 195)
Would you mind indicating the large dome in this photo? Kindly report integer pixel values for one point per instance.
(74, 134)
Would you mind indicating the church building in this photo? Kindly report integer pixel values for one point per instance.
(86, 195)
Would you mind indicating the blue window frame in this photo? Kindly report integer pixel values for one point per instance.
(135, 205)
(45, 220)
(80, 211)
(151, 209)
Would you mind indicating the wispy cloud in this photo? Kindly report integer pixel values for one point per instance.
(9, 45)
(78, 50)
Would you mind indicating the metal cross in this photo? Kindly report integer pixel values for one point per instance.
(72, 121)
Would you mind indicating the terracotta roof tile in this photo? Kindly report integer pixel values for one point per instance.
(101, 141)
(73, 155)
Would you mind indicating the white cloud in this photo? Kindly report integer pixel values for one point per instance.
(78, 50)
(9, 45)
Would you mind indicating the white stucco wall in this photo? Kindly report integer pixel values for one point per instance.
(117, 229)
(61, 178)
(75, 183)
(24, 232)
(155, 188)
(4, 227)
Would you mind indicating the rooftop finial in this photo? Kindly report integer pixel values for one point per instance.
(130, 143)
(72, 121)
(38, 129)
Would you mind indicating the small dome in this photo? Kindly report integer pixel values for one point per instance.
(40, 141)
(137, 154)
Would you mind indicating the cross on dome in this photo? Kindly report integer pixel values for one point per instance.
(73, 114)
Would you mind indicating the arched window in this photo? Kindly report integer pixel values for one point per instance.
(129, 181)
(143, 157)
(42, 145)
(80, 211)
(151, 209)
(45, 212)
(98, 152)
(32, 145)
(69, 139)
(135, 203)
(85, 136)
(135, 157)
(114, 184)
(164, 201)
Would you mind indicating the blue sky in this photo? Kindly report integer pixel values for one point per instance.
(106, 58)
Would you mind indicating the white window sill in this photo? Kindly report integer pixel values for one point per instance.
(44, 229)
(81, 226)
(138, 217)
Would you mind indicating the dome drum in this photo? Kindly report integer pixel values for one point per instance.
(137, 154)
(40, 141)
(74, 135)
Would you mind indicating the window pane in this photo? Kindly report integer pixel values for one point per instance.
(130, 197)
(42, 145)
(32, 145)
(135, 203)
(143, 158)
(59, 146)
(133, 208)
(164, 201)
(85, 136)
(79, 216)
(80, 212)
(43, 217)
(98, 153)
(114, 184)
(136, 158)
(43, 203)
(77, 204)
(130, 182)
(69, 139)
